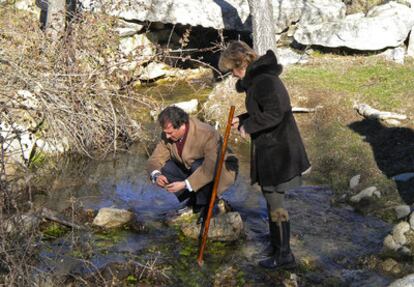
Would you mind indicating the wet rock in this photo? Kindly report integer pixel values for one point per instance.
(407, 281)
(402, 211)
(366, 193)
(227, 277)
(188, 106)
(354, 181)
(398, 238)
(390, 244)
(112, 217)
(398, 232)
(390, 266)
(224, 227)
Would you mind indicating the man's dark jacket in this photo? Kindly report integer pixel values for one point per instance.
(278, 153)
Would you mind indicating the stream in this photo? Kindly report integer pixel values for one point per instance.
(328, 242)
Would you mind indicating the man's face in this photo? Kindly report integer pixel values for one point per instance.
(239, 72)
(174, 134)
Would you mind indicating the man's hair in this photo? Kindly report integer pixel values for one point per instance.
(174, 115)
(237, 55)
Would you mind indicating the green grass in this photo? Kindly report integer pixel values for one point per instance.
(378, 83)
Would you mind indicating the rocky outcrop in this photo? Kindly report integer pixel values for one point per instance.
(384, 26)
(220, 14)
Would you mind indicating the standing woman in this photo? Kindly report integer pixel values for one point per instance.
(278, 157)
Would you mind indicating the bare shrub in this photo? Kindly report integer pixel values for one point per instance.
(75, 83)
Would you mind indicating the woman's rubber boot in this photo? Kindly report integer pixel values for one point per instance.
(283, 257)
(274, 242)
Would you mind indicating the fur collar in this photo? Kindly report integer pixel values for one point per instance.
(266, 64)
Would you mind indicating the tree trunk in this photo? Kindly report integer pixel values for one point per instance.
(264, 36)
(55, 20)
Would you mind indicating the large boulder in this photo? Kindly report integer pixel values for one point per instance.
(384, 26)
(224, 227)
(220, 14)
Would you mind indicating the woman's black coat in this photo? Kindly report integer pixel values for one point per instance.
(278, 153)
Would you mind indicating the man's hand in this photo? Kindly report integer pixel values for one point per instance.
(175, 186)
(235, 122)
(161, 181)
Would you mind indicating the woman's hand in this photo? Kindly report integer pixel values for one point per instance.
(235, 122)
(243, 133)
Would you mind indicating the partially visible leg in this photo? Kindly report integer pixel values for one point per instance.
(174, 172)
(279, 226)
(273, 201)
(202, 196)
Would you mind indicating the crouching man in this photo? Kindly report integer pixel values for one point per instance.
(184, 160)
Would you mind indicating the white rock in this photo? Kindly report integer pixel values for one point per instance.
(127, 29)
(390, 244)
(18, 150)
(322, 11)
(229, 14)
(26, 98)
(398, 232)
(188, 106)
(137, 45)
(407, 281)
(402, 227)
(112, 217)
(394, 54)
(26, 5)
(354, 181)
(392, 122)
(153, 71)
(286, 56)
(402, 211)
(384, 26)
(366, 193)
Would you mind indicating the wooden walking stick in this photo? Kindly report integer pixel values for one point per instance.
(215, 187)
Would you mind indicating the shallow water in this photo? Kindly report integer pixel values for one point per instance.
(333, 239)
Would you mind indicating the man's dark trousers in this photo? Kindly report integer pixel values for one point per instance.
(174, 171)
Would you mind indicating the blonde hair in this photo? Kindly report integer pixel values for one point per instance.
(237, 55)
